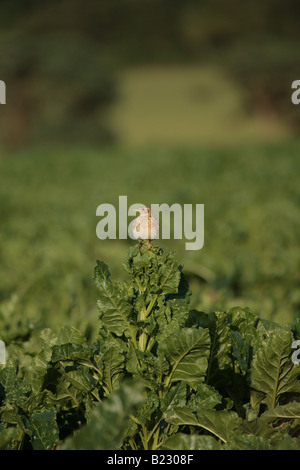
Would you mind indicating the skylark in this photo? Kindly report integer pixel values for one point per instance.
(145, 226)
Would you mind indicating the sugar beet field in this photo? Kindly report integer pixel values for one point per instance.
(182, 349)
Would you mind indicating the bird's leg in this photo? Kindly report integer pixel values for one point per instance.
(150, 244)
(140, 248)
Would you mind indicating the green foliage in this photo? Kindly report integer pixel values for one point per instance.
(250, 255)
(109, 421)
(160, 375)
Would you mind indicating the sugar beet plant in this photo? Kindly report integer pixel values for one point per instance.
(160, 376)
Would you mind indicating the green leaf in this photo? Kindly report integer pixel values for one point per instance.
(153, 271)
(71, 352)
(181, 416)
(148, 407)
(7, 382)
(190, 442)
(205, 397)
(273, 372)
(257, 427)
(187, 353)
(175, 398)
(12, 389)
(219, 358)
(146, 367)
(170, 316)
(246, 324)
(169, 275)
(81, 379)
(12, 417)
(223, 424)
(248, 442)
(289, 411)
(6, 436)
(44, 430)
(109, 420)
(112, 366)
(69, 334)
(113, 303)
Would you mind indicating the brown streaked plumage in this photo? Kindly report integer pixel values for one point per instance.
(145, 226)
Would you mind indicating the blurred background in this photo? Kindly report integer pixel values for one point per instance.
(164, 101)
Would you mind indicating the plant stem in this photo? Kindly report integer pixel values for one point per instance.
(133, 443)
(150, 343)
(145, 439)
(155, 440)
(135, 419)
(144, 313)
(154, 429)
(97, 397)
(143, 341)
(151, 305)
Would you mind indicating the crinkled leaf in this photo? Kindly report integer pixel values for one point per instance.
(222, 424)
(169, 276)
(153, 271)
(112, 366)
(71, 352)
(12, 417)
(115, 310)
(289, 411)
(69, 334)
(257, 427)
(176, 397)
(81, 379)
(12, 389)
(205, 397)
(219, 358)
(43, 427)
(187, 353)
(146, 366)
(273, 372)
(170, 316)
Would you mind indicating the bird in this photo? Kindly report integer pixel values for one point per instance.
(145, 226)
